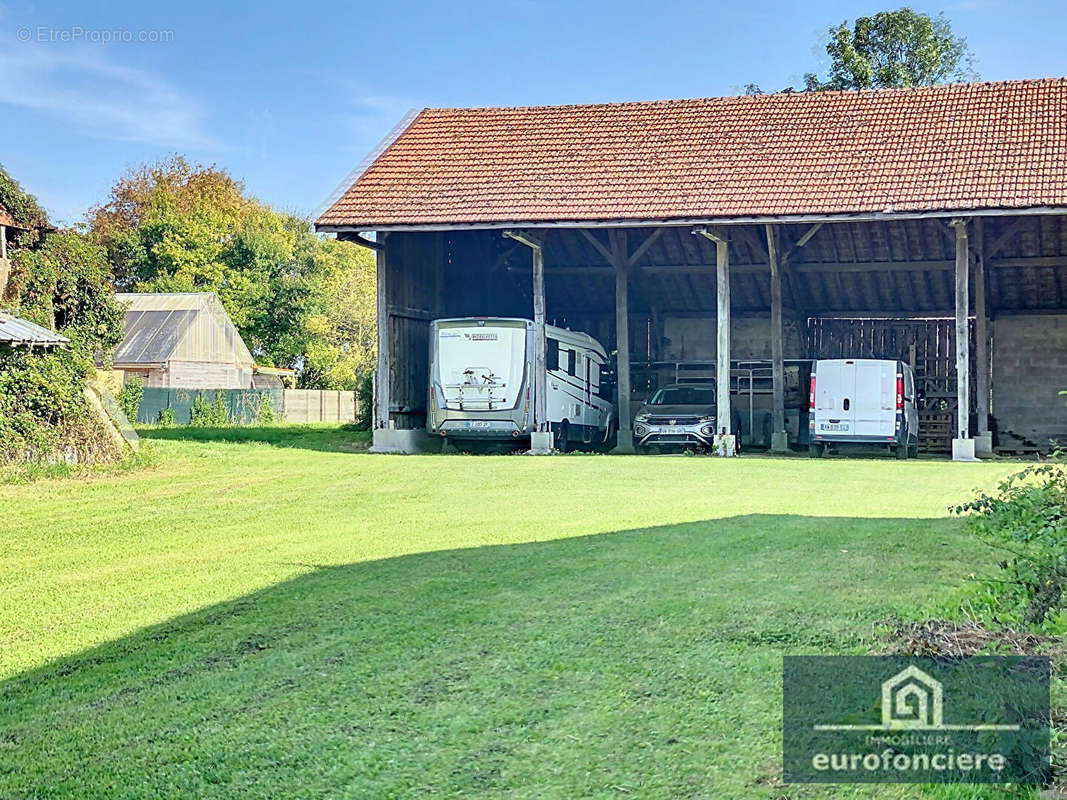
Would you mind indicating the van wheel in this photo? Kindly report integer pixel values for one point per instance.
(902, 452)
(913, 451)
(563, 437)
(816, 450)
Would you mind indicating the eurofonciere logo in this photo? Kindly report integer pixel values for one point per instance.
(865, 719)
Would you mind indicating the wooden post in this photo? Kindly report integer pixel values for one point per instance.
(540, 435)
(540, 342)
(382, 377)
(3, 244)
(779, 438)
(620, 260)
(724, 416)
(962, 445)
(981, 333)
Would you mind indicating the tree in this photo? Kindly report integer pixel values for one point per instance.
(895, 49)
(61, 280)
(891, 49)
(177, 227)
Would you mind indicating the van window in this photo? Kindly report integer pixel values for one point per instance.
(594, 377)
(572, 366)
(552, 354)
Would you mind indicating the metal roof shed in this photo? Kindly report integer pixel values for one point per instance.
(182, 340)
(18, 332)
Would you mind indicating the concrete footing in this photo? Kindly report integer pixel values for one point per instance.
(779, 442)
(403, 441)
(541, 443)
(625, 444)
(963, 450)
(983, 445)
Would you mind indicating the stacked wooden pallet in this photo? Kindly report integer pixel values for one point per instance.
(935, 431)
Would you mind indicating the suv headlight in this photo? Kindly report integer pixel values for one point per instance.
(641, 418)
(710, 418)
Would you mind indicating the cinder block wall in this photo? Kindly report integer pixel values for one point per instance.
(1029, 370)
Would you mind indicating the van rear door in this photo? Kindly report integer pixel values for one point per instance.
(834, 384)
(874, 407)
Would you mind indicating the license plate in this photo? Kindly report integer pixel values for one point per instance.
(670, 429)
(834, 426)
(477, 424)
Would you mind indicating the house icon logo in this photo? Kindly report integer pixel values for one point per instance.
(911, 699)
(914, 700)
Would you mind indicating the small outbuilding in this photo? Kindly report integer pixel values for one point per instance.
(182, 340)
(18, 332)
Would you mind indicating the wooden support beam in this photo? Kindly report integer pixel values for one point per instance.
(3, 245)
(963, 354)
(618, 257)
(358, 238)
(981, 334)
(598, 245)
(383, 374)
(643, 247)
(779, 438)
(540, 382)
(803, 240)
(1005, 236)
(723, 413)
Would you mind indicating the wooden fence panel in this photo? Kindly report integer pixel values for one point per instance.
(319, 405)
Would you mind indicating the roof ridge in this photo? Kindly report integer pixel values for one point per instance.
(940, 87)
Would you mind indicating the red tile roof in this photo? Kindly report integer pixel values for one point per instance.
(944, 148)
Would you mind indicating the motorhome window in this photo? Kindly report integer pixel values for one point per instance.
(594, 377)
(572, 367)
(552, 354)
(683, 396)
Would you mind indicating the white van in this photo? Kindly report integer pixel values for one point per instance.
(863, 401)
(481, 385)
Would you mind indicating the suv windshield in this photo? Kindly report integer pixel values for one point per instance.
(683, 396)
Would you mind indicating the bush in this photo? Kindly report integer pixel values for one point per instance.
(266, 410)
(365, 396)
(1025, 518)
(130, 398)
(213, 414)
(166, 417)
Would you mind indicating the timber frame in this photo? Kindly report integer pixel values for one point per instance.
(619, 281)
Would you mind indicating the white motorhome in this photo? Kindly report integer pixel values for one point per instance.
(481, 385)
(863, 401)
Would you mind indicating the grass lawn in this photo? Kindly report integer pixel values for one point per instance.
(294, 618)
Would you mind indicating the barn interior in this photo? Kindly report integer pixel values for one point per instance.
(896, 287)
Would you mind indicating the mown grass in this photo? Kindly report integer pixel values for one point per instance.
(273, 614)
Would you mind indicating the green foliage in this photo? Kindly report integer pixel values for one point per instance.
(299, 301)
(895, 49)
(1025, 520)
(19, 204)
(63, 282)
(166, 417)
(130, 398)
(209, 413)
(365, 397)
(266, 410)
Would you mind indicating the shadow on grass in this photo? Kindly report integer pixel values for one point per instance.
(647, 659)
(322, 437)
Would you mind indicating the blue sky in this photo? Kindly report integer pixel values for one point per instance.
(289, 97)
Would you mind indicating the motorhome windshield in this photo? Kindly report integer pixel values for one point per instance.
(684, 396)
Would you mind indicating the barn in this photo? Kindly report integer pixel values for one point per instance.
(183, 340)
(927, 224)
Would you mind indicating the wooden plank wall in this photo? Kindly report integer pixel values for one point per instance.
(928, 344)
(319, 405)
